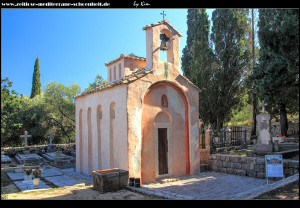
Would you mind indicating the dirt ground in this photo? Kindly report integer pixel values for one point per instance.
(77, 192)
(289, 192)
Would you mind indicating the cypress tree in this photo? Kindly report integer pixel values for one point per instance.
(188, 51)
(229, 35)
(36, 82)
(277, 74)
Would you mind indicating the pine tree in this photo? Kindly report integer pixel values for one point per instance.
(36, 82)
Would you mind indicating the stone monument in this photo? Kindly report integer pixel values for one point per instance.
(50, 145)
(25, 136)
(26, 158)
(264, 140)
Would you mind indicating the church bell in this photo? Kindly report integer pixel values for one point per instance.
(163, 44)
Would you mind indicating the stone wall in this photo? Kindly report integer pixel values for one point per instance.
(248, 166)
(38, 149)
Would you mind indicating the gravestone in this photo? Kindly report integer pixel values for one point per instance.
(29, 159)
(264, 140)
(26, 158)
(50, 145)
(25, 136)
(5, 159)
(59, 159)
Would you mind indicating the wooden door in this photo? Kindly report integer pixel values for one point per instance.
(162, 151)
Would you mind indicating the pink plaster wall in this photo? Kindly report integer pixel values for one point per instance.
(87, 152)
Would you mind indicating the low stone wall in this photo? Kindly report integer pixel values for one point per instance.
(248, 166)
(38, 149)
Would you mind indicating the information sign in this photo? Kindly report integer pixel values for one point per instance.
(274, 166)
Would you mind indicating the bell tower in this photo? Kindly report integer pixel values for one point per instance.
(162, 36)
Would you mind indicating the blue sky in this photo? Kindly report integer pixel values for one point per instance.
(73, 44)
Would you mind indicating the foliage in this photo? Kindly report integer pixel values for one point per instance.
(37, 173)
(98, 81)
(276, 78)
(217, 68)
(11, 106)
(27, 171)
(60, 109)
(279, 33)
(51, 112)
(36, 82)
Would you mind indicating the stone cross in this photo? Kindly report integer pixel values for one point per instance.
(163, 14)
(25, 136)
(263, 104)
(51, 137)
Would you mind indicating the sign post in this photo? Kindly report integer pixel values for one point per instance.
(274, 166)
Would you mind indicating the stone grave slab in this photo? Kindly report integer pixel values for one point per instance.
(28, 185)
(16, 176)
(5, 159)
(63, 180)
(50, 172)
(45, 173)
(59, 160)
(72, 172)
(29, 159)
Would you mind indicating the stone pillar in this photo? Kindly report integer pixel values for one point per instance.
(205, 153)
(244, 136)
(228, 136)
(208, 139)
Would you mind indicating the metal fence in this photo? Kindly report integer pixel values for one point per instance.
(227, 137)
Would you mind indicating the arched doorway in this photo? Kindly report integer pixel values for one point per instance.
(165, 130)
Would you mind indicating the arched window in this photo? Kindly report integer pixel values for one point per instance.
(115, 73)
(120, 71)
(110, 77)
(164, 101)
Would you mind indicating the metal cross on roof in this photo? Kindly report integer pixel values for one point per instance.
(163, 14)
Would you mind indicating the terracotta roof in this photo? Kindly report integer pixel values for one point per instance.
(159, 23)
(125, 80)
(131, 56)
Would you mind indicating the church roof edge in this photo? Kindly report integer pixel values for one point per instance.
(159, 23)
(131, 56)
(126, 80)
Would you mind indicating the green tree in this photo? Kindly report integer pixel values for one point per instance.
(200, 70)
(36, 82)
(279, 33)
(98, 81)
(276, 76)
(230, 33)
(188, 51)
(275, 84)
(60, 109)
(11, 123)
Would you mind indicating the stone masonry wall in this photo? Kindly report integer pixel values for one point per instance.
(248, 166)
(38, 149)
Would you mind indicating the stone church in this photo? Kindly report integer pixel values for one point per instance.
(145, 119)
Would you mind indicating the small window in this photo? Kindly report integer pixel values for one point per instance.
(164, 101)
